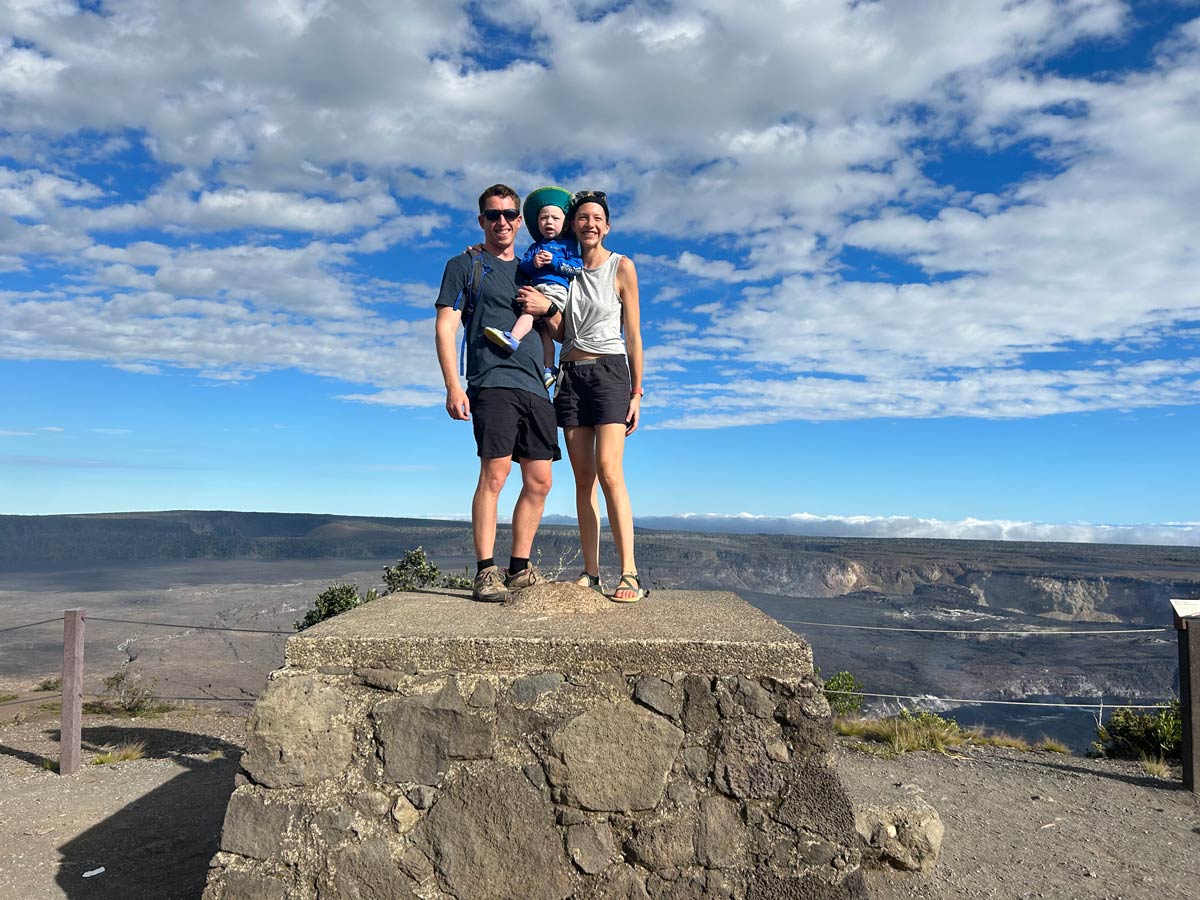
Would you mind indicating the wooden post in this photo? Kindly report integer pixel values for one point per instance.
(70, 734)
(1187, 612)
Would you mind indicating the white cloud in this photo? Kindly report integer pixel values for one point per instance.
(237, 207)
(268, 148)
(138, 368)
(985, 393)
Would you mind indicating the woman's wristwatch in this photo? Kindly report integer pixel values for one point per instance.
(637, 392)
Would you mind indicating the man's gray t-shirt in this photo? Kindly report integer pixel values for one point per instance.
(490, 366)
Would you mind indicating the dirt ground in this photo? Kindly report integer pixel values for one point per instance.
(153, 824)
(1018, 825)
(1033, 825)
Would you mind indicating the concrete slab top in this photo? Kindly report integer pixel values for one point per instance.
(670, 631)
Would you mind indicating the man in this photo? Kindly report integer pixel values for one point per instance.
(505, 399)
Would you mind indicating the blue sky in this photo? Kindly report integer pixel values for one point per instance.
(925, 268)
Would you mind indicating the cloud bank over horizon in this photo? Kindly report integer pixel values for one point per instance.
(1171, 534)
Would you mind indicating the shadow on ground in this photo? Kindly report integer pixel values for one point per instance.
(1142, 781)
(34, 759)
(159, 845)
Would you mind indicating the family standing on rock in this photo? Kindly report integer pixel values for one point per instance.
(571, 288)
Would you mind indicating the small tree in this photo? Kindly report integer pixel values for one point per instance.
(842, 692)
(335, 599)
(132, 693)
(415, 571)
(412, 572)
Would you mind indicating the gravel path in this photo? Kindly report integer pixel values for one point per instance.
(1018, 825)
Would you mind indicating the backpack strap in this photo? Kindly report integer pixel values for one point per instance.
(469, 297)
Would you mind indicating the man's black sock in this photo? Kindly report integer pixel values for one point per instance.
(484, 563)
(517, 564)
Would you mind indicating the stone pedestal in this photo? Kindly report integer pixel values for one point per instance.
(428, 746)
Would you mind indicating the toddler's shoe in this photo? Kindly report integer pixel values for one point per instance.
(502, 339)
(549, 376)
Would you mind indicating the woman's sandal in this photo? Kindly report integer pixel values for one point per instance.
(629, 582)
(589, 581)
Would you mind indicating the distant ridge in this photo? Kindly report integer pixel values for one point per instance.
(228, 534)
(1072, 581)
(218, 534)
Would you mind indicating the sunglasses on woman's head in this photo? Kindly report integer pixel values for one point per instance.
(493, 215)
(584, 196)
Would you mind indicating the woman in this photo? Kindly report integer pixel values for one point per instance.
(599, 397)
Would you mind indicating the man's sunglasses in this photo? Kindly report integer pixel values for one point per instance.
(493, 215)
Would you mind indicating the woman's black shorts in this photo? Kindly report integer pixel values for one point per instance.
(593, 392)
(516, 423)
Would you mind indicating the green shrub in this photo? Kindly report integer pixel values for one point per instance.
(463, 582)
(53, 683)
(844, 704)
(1134, 734)
(4, 698)
(334, 600)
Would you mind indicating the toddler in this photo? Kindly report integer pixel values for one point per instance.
(550, 261)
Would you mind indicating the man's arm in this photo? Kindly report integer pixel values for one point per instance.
(446, 330)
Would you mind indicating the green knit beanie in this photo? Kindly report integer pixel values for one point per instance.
(540, 199)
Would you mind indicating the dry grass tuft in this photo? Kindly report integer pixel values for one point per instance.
(907, 731)
(1052, 745)
(214, 755)
(54, 683)
(1157, 767)
(4, 698)
(924, 730)
(1003, 739)
(121, 753)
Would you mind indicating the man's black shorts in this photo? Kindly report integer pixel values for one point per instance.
(513, 422)
(593, 392)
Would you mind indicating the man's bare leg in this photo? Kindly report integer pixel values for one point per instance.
(492, 475)
(536, 476)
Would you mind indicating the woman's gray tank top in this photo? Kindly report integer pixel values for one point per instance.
(592, 320)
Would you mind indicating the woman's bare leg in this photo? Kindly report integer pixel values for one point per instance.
(581, 449)
(610, 469)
